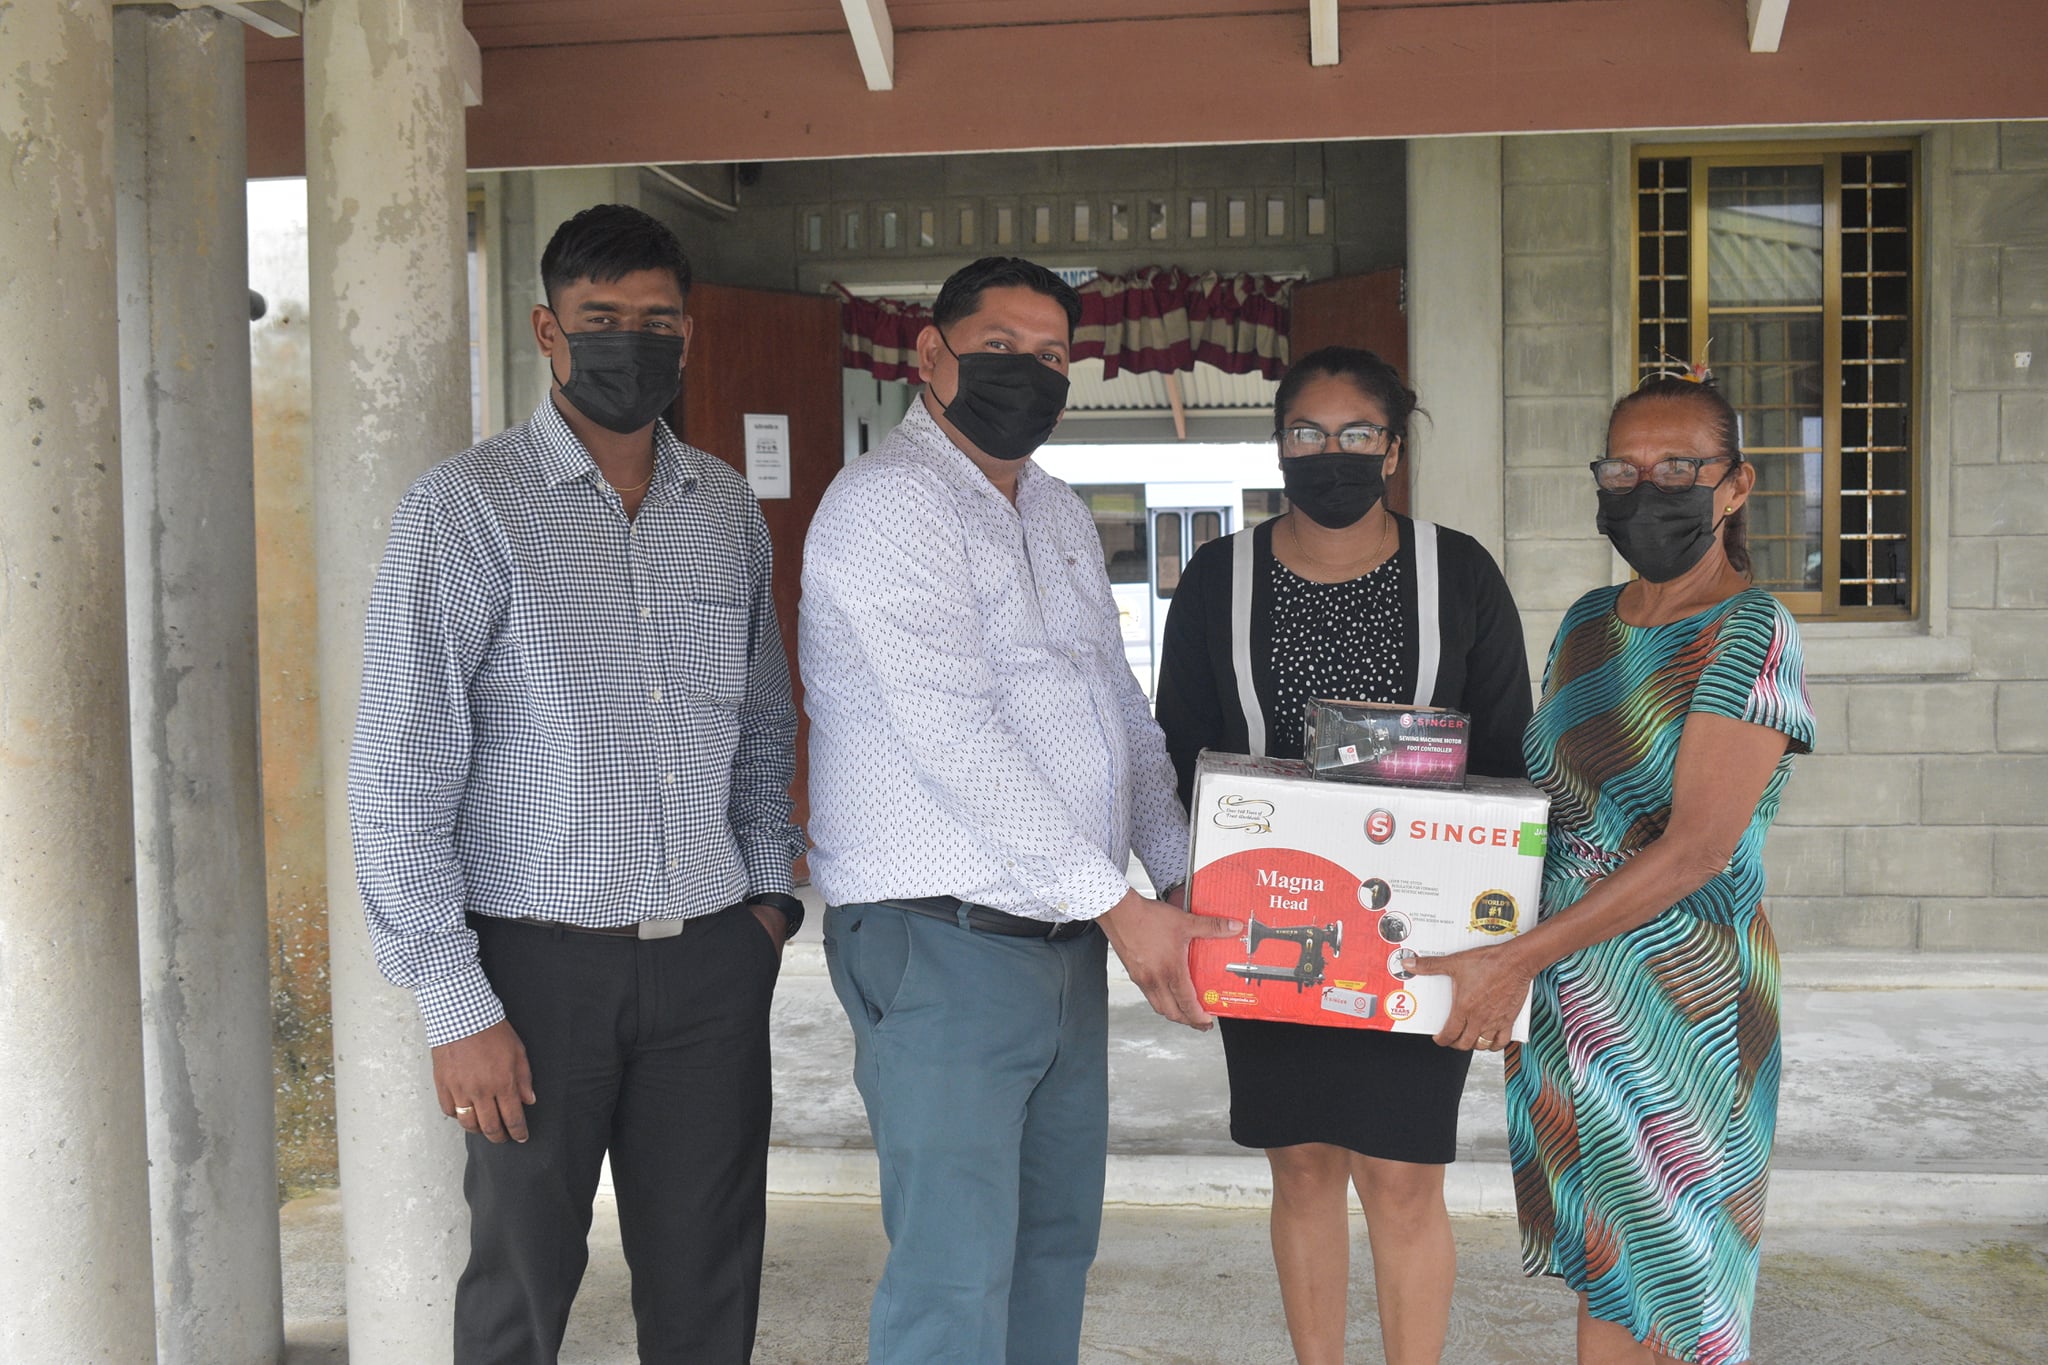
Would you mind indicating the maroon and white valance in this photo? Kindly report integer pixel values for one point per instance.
(1158, 320)
(1161, 320)
(880, 335)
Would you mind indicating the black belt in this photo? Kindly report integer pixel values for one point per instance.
(667, 928)
(989, 920)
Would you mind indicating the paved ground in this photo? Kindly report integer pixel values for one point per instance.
(1890, 1062)
(1928, 1295)
(1908, 1218)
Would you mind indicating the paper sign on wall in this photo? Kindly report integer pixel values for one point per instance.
(768, 453)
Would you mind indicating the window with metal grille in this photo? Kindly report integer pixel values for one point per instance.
(1789, 270)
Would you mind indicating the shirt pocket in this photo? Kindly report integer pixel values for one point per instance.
(706, 648)
(1082, 617)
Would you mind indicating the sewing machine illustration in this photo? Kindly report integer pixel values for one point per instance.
(1314, 941)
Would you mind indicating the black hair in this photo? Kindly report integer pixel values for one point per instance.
(1727, 439)
(1374, 377)
(960, 296)
(609, 242)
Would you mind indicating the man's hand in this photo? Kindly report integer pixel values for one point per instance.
(484, 1082)
(775, 922)
(1152, 938)
(1488, 986)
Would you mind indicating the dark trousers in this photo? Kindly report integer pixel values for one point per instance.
(655, 1050)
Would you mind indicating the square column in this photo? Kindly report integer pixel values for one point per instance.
(1454, 335)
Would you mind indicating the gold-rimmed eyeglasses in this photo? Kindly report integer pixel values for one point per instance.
(1674, 475)
(1359, 438)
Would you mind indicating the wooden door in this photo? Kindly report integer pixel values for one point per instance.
(758, 351)
(1356, 310)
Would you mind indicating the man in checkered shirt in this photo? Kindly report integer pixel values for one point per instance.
(569, 796)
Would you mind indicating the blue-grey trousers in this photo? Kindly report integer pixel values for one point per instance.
(983, 1061)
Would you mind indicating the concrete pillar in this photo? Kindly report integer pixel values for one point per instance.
(389, 326)
(182, 273)
(74, 1264)
(1454, 334)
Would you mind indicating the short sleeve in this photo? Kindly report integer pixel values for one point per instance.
(1758, 672)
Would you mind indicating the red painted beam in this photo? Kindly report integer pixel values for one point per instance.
(1431, 70)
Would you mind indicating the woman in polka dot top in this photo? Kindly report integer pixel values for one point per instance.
(1342, 597)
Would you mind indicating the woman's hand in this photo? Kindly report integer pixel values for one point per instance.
(1488, 986)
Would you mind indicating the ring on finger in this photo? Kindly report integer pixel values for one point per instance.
(462, 1109)
(1483, 1042)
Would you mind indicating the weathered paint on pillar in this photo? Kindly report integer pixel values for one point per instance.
(188, 470)
(385, 223)
(75, 1264)
(1454, 335)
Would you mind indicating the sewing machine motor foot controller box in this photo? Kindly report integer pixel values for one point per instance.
(1370, 741)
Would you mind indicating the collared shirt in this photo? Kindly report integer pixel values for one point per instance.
(975, 728)
(566, 714)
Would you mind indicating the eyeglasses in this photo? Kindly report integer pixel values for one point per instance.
(1674, 475)
(1360, 438)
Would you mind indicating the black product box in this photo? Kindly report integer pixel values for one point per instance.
(1372, 741)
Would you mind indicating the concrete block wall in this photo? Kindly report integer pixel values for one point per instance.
(1557, 307)
(1921, 821)
(1976, 871)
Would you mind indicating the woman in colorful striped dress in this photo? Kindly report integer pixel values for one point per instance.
(1641, 1110)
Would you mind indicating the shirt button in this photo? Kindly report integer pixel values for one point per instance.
(646, 612)
(668, 779)
(675, 864)
(655, 695)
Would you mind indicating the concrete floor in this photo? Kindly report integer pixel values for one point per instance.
(1926, 1295)
(1890, 1063)
(1908, 1220)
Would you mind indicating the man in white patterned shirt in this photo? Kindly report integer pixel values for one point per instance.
(569, 795)
(982, 766)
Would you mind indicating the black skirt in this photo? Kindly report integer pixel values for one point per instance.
(1388, 1095)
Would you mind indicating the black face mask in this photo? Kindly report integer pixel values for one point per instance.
(1334, 489)
(623, 380)
(1660, 534)
(1006, 404)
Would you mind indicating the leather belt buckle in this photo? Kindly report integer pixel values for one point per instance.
(661, 928)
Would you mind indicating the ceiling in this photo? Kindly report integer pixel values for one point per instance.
(606, 82)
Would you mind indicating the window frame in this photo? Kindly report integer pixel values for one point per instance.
(1703, 157)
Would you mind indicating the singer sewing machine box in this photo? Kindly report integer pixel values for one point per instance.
(1335, 880)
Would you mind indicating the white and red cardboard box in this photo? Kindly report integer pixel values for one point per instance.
(1334, 880)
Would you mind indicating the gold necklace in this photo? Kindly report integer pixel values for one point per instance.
(622, 491)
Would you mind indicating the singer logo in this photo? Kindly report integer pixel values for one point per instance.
(1379, 826)
(1445, 832)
